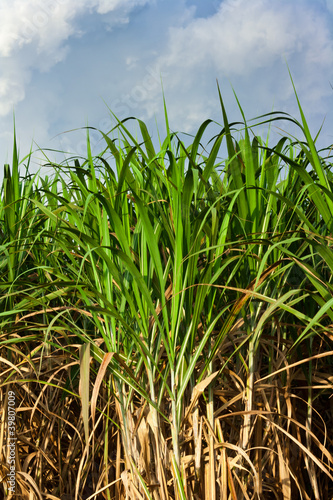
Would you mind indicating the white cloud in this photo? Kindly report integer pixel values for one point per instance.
(33, 35)
(243, 36)
(249, 43)
(105, 6)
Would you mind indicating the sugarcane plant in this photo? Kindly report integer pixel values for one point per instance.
(176, 304)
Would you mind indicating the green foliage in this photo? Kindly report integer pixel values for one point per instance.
(183, 277)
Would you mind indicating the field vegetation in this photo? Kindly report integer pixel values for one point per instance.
(167, 318)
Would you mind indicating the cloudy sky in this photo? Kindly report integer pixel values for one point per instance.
(64, 62)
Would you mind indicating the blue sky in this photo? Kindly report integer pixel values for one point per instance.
(62, 62)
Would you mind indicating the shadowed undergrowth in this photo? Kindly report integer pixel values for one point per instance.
(166, 319)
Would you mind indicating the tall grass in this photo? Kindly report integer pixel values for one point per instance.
(166, 318)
